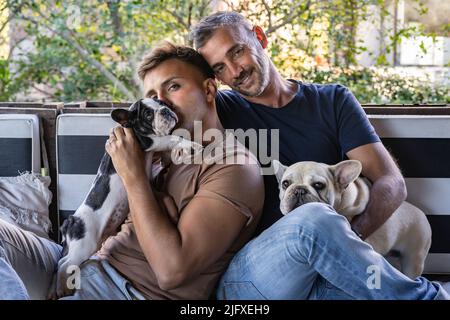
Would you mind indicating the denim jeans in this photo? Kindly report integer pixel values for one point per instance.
(312, 253)
(100, 281)
(28, 263)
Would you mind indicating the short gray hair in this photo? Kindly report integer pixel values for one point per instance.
(202, 31)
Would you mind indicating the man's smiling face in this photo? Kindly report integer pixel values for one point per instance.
(238, 60)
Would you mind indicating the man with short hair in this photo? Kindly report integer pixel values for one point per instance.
(182, 232)
(314, 252)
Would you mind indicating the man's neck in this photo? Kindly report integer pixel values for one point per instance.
(211, 121)
(278, 92)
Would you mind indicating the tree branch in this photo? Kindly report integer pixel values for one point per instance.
(203, 8)
(114, 14)
(86, 56)
(230, 5)
(50, 95)
(269, 13)
(14, 46)
(3, 26)
(178, 18)
(289, 18)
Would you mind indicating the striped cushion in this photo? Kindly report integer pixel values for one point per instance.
(19, 144)
(421, 144)
(80, 144)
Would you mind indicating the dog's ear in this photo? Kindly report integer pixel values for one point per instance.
(278, 169)
(121, 116)
(346, 172)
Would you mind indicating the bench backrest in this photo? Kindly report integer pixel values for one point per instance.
(80, 143)
(19, 144)
(421, 145)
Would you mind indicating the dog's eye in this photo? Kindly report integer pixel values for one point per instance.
(285, 184)
(148, 114)
(318, 185)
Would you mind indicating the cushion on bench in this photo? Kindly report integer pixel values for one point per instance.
(24, 194)
(421, 145)
(19, 144)
(80, 143)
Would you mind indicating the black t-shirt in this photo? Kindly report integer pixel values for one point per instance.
(321, 123)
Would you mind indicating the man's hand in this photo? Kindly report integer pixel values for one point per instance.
(126, 154)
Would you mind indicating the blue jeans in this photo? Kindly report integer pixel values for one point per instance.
(100, 281)
(312, 253)
(28, 263)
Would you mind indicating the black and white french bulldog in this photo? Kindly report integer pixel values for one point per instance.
(106, 206)
(407, 231)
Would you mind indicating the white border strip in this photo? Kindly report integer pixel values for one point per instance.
(388, 126)
(432, 195)
(84, 124)
(72, 190)
(437, 263)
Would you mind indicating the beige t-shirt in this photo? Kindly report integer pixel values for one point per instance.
(239, 185)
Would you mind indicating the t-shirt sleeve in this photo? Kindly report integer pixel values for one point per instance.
(354, 128)
(239, 185)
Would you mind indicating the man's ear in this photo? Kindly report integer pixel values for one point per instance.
(261, 36)
(210, 85)
(121, 116)
(346, 172)
(278, 169)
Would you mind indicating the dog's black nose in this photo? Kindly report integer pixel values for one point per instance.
(166, 112)
(300, 191)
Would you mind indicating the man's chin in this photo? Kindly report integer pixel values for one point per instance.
(248, 92)
(252, 91)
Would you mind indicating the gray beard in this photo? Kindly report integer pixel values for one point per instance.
(264, 79)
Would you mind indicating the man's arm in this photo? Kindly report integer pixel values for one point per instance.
(388, 190)
(206, 229)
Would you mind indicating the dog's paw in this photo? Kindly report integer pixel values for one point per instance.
(73, 227)
(186, 151)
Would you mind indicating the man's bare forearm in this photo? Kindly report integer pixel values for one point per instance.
(386, 195)
(158, 237)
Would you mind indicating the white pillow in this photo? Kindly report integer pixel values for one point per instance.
(24, 201)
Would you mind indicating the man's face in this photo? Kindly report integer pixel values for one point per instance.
(182, 87)
(238, 61)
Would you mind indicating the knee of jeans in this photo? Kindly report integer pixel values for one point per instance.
(314, 215)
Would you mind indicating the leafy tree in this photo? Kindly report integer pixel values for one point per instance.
(89, 49)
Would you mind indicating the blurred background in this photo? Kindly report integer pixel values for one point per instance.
(385, 51)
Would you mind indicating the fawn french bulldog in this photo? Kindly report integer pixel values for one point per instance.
(407, 231)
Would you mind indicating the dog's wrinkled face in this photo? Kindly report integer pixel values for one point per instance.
(147, 117)
(307, 181)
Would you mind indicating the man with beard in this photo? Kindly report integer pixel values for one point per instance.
(313, 252)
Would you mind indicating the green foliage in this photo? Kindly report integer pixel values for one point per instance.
(379, 85)
(88, 50)
(8, 86)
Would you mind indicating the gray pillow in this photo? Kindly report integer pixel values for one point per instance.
(24, 201)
